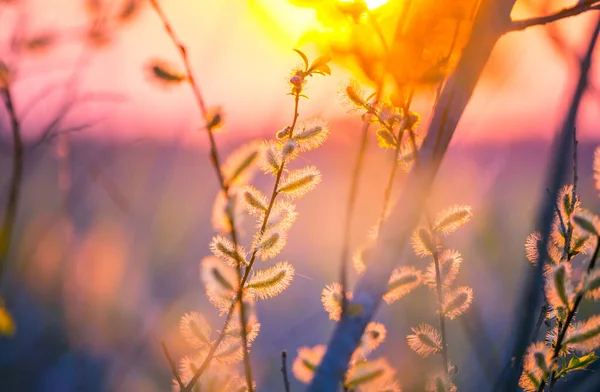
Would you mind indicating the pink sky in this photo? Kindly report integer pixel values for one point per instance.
(242, 59)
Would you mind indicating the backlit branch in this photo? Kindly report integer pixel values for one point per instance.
(490, 24)
(580, 7)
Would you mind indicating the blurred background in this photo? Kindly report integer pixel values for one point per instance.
(117, 190)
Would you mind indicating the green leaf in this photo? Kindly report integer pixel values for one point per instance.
(578, 363)
(304, 58)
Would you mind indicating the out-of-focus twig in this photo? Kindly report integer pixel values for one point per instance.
(211, 122)
(530, 295)
(284, 372)
(172, 365)
(16, 179)
(580, 7)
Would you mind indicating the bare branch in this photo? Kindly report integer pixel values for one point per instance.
(580, 7)
(172, 365)
(532, 288)
(286, 380)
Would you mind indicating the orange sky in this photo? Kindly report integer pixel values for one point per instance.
(241, 51)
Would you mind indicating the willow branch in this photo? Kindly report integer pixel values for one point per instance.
(490, 23)
(253, 258)
(214, 155)
(172, 365)
(571, 314)
(532, 288)
(580, 7)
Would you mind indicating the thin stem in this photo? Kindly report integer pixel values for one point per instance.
(353, 191)
(438, 276)
(388, 190)
(350, 206)
(286, 380)
(570, 315)
(211, 352)
(183, 51)
(442, 318)
(569, 234)
(214, 155)
(563, 227)
(274, 194)
(352, 195)
(567, 231)
(580, 7)
(172, 365)
(12, 203)
(534, 281)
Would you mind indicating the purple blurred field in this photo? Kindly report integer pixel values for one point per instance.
(92, 310)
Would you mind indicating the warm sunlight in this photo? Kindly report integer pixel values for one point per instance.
(299, 195)
(372, 4)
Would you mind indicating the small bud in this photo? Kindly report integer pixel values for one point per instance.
(214, 119)
(283, 133)
(296, 80)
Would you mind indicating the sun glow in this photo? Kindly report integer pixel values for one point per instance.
(372, 4)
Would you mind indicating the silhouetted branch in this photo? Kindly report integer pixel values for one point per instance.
(532, 289)
(172, 365)
(580, 7)
(286, 380)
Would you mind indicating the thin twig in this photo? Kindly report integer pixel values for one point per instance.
(286, 380)
(577, 9)
(557, 210)
(225, 188)
(570, 315)
(172, 365)
(262, 229)
(569, 234)
(438, 274)
(350, 206)
(534, 281)
(442, 317)
(12, 203)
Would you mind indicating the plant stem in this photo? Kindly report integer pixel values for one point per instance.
(438, 276)
(533, 284)
(569, 234)
(570, 315)
(488, 27)
(442, 317)
(244, 279)
(172, 365)
(224, 187)
(286, 380)
(407, 125)
(578, 8)
(12, 203)
(353, 191)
